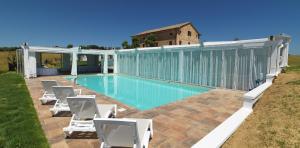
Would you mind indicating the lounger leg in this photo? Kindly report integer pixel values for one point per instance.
(67, 133)
(103, 145)
(43, 101)
(151, 129)
(115, 111)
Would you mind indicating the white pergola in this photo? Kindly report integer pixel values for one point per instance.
(30, 57)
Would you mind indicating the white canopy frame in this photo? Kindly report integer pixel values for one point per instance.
(30, 58)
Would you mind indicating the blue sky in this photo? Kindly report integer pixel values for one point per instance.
(108, 23)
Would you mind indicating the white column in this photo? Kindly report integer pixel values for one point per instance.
(235, 74)
(137, 63)
(211, 69)
(115, 63)
(286, 53)
(32, 64)
(100, 59)
(74, 64)
(250, 84)
(26, 62)
(278, 59)
(273, 60)
(223, 82)
(180, 66)
(105, 65)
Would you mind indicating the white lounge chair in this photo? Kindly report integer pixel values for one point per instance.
(61, 94)
(126, 132)
(84, 109)
(48, 92)
(49, 95)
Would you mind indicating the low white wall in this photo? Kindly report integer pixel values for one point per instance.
(221, 133)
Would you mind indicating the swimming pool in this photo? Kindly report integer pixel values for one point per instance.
(139, 93)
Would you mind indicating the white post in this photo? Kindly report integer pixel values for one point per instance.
(273, 56)
(137, 63)
(115, 63)
(250, 83)
(223, 82)
(32, 64)
(278, 59)
(211, 69)
(180, 66)
(235, 74)
(26, 62)
(74, 64)
(105, 65)
(286, 54)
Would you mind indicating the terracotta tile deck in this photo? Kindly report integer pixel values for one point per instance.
(180, 124)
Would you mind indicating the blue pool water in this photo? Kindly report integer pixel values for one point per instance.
(139, 93)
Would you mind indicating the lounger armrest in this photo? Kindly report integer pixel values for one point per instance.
(89, 96)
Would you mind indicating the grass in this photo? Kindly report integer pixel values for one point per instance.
(19, 125)
(294, 63)
(3, 59)
(275, 121)
(53, 60)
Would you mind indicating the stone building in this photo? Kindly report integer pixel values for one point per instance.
(179, 34)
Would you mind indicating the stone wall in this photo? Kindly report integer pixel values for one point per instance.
(184, 38)
(175, 35)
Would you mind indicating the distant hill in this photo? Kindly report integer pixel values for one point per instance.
(8, 48)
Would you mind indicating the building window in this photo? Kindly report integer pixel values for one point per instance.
(179, 42)
(171, 34)
(189, 43)
(170, 42)
(189, 33)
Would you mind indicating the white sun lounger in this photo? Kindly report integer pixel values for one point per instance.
(84, 109)
(126, 132)
(61, 94)
(49, 95)
(48, 92)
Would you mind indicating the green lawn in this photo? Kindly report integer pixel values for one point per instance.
(294, 63)
(19, 125)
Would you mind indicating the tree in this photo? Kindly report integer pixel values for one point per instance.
(135, 42)
(150, 40)
(12, 62)
(69, 46)
(125, 45)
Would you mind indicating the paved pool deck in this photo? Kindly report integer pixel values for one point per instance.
(180, 124)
